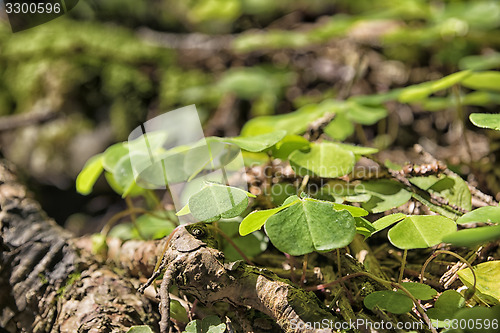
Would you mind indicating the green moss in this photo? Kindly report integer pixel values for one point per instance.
(43, 278)
(72, 278)
(307, 306)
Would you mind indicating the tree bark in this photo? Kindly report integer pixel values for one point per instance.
(47, 283)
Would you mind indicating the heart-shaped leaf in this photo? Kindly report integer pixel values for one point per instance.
(421, 231)
(325, 159)
(310, 225)
(217, 201)
(389, 300)
(488, 214)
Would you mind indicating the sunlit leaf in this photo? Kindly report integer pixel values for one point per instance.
(488, 214)
(474, 236)
(388, 220)
(489, 80)
(486, 120)
(358, 150)
(487, 283)
(293, 123)
(89, 175)
(256, 219)
(421, 91)
(184, 211)
(112, 155)
(354, 211)
(421, 231)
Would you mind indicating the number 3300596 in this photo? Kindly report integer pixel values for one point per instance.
(32, 8)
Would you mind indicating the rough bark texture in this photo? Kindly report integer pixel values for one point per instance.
(199, 269)
(47, 284)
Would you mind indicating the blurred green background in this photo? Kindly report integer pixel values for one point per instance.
(109, 65)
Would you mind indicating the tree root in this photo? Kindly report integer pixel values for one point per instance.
(199, 270)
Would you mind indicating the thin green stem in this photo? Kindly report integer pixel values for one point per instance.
(438, 252)
(402, 270)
